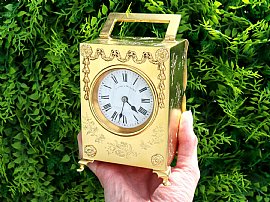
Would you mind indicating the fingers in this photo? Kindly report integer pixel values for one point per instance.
(79, 138)
(187, 149)
(175, 115)
(174, 121)
(92, 166)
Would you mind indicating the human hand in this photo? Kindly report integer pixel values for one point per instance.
(127, 183)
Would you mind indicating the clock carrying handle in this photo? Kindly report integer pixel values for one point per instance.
(173, 21)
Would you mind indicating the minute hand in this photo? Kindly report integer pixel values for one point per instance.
(132, 107)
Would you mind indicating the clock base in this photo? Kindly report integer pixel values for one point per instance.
(83, 163)
(164, 174)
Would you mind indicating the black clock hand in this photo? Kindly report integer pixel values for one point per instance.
(121, 113)
(132, 107)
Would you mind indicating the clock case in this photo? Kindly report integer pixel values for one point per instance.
(164, 63)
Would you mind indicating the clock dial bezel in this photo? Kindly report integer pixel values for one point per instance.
(100, 117)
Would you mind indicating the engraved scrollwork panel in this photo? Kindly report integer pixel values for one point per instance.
(121, 149)
(91, 129)
(155, 139)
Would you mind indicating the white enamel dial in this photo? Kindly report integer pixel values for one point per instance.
(125, 98)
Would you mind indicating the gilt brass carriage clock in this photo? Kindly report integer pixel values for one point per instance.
(128, 88)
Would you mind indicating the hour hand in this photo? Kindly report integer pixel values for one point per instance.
(132, 107)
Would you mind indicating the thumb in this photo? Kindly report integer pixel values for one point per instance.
(187, 149)
(186, 173)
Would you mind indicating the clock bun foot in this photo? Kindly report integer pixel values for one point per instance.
(164, 174)
(83, 163)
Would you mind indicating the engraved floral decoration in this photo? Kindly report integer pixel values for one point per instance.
(157, 160)
(90, 150)
(158, 132)
(173, 66)
(179, 93)
(122, 149)
(91, 129)
(86, 52)
(161, 55)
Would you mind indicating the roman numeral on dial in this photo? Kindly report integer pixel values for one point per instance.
(124, 119)
(105, 97)
(114, 79)
(143, 89)
(142, 110)
(107, 107)
(114, 116)
(124, 75)
(145, 100)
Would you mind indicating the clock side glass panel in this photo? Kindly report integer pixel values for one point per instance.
(125, 98)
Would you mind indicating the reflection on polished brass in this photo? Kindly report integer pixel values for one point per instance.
(162, 63)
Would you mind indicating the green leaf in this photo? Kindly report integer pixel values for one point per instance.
(93, 21)
(17, 145)
(202, 189)
(60, 147)
(246, 1)
(259, 198)
(11, 165)
(264, 188)
(257, 185)
(267, 17)
(21, 13)
(31, 151)
(36, 112)
(266, 128)
(217, 4)
(19, 136)
(23, 85)
(104, 9)
(34, 96)
(174, 3)
(12, 70)
(234, 32)
(228, 32)
(9, 7)
(65, 158)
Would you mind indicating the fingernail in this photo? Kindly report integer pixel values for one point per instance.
(187, 117)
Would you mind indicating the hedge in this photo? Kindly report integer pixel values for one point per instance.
(228, 93)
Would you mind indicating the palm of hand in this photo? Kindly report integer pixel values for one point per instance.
(126, 183)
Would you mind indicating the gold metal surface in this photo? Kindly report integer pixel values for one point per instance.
(162, 63)
(172, 19)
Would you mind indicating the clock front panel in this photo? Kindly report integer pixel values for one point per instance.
(125, 105)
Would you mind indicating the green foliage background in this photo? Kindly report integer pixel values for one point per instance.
(228, 91)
